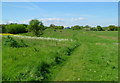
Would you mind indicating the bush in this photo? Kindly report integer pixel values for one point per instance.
(2, 28)
(112, 28)
(93, 29)
(56, 27)
(15, 28)
(76, 27)
(58, 59)
(13, 43)
(99, 28)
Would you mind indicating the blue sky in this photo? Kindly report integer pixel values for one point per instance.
(60, 0)
(62, 13)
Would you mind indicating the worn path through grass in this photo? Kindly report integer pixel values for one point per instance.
(70, 70)
(94, 60)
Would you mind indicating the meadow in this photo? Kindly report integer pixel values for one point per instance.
(91, 56)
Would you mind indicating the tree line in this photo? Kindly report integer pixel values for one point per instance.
(97, 28)
(36, 27)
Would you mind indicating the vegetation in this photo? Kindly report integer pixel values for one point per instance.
(33, 63)
(76, 27)
(36, 27)
(9, 41)
(14, 28)
(94, 60)
(56, 27)
(87, 54)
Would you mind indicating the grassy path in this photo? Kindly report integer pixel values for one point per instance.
(93, 60)
(70, 70)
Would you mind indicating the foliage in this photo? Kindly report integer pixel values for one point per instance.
(93, 29)
(92, 59)
(15, 28)
(112, 28)
(56, 27)
(34, 61)
(0, 29)
(52, 25)
(76, 27)
(99, 28)
(87, 26)
(36, 27)
(95, 58)
(9, 41)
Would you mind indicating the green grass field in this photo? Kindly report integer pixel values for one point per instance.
(91, 56)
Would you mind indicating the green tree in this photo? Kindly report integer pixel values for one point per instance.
(87, 26)
(52, 25)
(93, 29)
(99, 28)
(76, 27)
(112, 28)
(60, 27)
(15, 28)
(36, 27)
(0, 28)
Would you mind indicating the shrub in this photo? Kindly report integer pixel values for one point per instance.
(58, 59)
(9, 41)
(41, 71)
(112, 28)
(2, 28)
(15, 28)
(93, 29)
(99, 28)
(22, 44)
(76, 27)
(56, 27)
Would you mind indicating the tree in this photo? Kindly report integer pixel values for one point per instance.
(56, 27)
(60, 27)
(36, 27)
(99, 28)
(112, 28)
(87, 26)
(93, 29)
(15, 28)
(0, 28)
(52, 25)
(76, 27)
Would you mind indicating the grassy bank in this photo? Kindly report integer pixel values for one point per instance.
(33, 62)
(95, 59)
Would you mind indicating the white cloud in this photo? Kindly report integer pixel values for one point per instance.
(25, 21)
(56, 21)
(78, 19)
(46, 21)
(51, 19)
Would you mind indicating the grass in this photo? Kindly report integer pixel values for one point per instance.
(95, 59)
(24, 63)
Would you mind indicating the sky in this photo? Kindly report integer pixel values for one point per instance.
(60, 0)
(61, 13)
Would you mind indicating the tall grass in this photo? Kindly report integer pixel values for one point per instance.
(32, 63)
